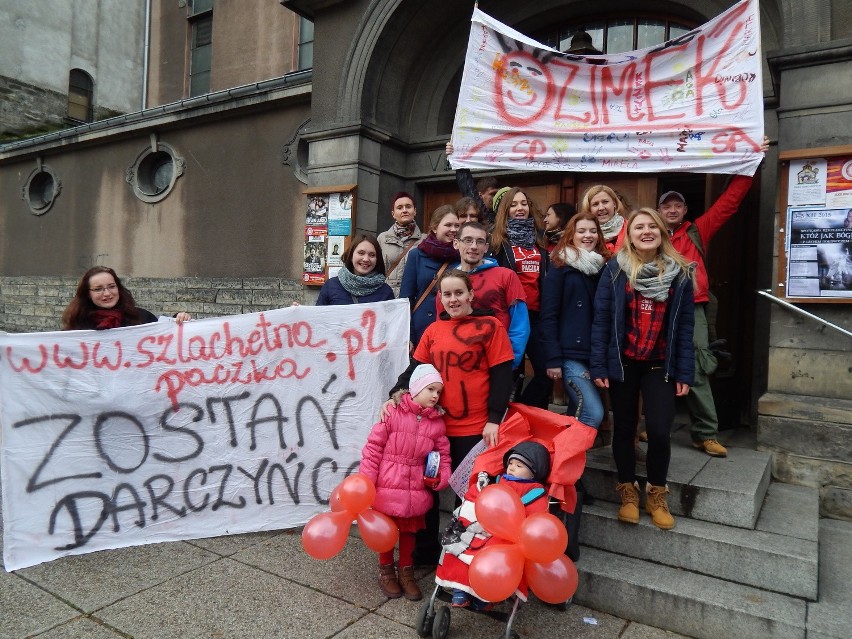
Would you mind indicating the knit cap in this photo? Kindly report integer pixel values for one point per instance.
(422, 376)
(495, 204)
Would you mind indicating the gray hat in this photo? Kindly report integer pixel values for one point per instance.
(665, 196)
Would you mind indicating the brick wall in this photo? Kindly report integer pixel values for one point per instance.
(36, 303)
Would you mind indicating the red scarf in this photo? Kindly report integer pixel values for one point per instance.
(107, 318)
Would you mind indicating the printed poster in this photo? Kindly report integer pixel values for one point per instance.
(819, 252)
(340, 213)
(807, 182)
(839, 182)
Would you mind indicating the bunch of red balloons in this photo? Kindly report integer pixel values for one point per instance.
(325, 534)
(532, 547)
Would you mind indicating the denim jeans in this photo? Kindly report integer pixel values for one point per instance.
(584, 399)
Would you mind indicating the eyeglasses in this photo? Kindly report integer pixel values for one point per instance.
(467, 241)
(100, 290)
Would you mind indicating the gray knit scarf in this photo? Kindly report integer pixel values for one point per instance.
(612, 227)
(360, 285)
(587, 262)
(650, 282)
(521, 232)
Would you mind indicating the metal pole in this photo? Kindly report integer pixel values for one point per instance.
(801, 311)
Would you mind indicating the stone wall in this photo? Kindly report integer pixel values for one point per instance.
(37, 303)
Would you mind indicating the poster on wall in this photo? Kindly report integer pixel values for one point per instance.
(340, 214)
(329, 216)
(819, 252)
(839, 182)
(334, 256)
(807, 182)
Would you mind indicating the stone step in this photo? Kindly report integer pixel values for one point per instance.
(683, 601)
(831, 616)
(726, 490)
(780, 555)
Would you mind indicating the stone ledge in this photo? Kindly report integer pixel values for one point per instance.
(827, 409)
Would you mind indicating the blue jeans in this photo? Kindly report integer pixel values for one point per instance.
(584, 399)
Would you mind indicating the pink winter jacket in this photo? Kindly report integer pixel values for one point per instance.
(395, 458)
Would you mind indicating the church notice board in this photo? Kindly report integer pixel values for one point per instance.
(815, 226)
(329, 220)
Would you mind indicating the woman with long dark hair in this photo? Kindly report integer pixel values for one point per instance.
(361, 279)
(517, 241)
(555, 220)
(101, 301)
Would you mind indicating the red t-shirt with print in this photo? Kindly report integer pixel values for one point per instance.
(528, 268)
(463, 350)
(495, 289)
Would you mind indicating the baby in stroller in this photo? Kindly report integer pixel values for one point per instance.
(526, 467)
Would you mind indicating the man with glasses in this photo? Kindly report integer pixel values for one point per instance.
(495, 288)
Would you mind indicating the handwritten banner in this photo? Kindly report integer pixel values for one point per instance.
(164, 432)
(692, 104)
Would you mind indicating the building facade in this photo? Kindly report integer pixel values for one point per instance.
(204, 187)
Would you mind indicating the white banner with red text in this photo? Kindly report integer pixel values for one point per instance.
(163, 432)
(692, 104)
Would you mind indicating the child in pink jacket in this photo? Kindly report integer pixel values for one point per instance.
(395, 459)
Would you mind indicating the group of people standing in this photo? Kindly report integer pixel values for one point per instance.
(612, 302)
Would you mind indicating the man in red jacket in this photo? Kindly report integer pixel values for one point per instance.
(672, 208)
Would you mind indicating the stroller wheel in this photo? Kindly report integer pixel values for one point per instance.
(425, 617)
(441, 626)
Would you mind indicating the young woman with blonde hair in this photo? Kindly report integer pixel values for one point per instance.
(642, 345)
(608, 207)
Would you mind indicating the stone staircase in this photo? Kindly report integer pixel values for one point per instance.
(742, 560)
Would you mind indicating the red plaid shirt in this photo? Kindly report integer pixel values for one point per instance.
(645, 321)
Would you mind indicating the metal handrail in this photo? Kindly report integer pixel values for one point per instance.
(800, 311)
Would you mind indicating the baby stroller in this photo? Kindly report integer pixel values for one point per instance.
(567, 441)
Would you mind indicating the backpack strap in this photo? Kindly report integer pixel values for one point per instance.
(532, 495)
(695, 236)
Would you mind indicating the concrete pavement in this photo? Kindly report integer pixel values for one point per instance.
(247, 586)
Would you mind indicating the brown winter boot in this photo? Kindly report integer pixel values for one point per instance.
(629, 511)
(388, 583)
(658, 507)
(408, 584)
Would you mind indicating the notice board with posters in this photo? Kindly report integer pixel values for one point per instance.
(329, 220)
(815, 226)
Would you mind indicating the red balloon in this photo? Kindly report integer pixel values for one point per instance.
(334, 501)
(543, 537)
(378, 531)
(500, 511)
(325, 534)
(554, 582)
(496, 571)
(357, 493)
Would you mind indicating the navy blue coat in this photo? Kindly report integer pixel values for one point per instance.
(332, 293)
(609, 328)
(567, 309)
(420, 272)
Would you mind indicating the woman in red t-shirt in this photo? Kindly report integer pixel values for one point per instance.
(517, 241)
(471, 350)
(608, 207)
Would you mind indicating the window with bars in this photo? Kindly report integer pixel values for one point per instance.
(618, 34)
(306, 44)
(80, 96)
(201, 46)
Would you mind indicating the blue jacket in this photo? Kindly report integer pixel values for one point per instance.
(332, 293)
(609, 327)
(567, 310)
(420, 272)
